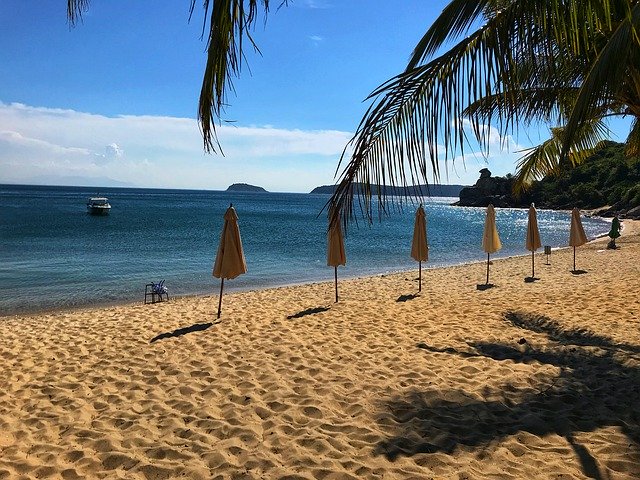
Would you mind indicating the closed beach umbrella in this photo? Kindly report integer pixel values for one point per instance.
(533, 236)
(335, 248)
(230, 260)
(490, 239)
(577, 236)
(419, 246)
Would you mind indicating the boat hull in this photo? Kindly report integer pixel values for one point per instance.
(98, 210)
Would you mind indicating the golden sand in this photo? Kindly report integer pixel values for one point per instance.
(522, 381)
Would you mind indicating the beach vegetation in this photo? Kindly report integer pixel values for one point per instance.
(608, 177)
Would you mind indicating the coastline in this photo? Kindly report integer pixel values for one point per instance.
(635, 227)
(59, 273)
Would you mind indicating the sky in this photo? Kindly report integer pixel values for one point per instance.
(113, 101)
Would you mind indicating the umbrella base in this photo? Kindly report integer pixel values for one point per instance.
(578, 272)
(484, 286)
(530, 279)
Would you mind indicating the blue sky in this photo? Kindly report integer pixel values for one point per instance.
(115, 99)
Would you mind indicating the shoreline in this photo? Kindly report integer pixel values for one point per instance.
(71, 287)
(631, 226)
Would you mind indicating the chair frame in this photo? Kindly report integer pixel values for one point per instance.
(149, 290)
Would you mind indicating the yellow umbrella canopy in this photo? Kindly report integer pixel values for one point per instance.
(533, 237)
(230, 260)
(419, 245)
(577, 236)
(490, 238)
(335, 248)
(533, 234)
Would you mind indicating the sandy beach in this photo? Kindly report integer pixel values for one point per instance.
(524, 380)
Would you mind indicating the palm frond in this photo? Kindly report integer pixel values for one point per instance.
(230, 23)
(632, 144)
(75, 9)
(533, 104)
(607, 72)
(455, 20)
(419, 113)
(545, 159)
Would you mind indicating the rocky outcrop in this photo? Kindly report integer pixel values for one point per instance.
(616, 210)
(498, 191)
(488, 189)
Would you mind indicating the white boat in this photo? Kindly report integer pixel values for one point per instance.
(98, 206)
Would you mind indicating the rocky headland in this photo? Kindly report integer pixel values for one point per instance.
(607, 184)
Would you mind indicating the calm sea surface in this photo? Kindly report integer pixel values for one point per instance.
(54, 255)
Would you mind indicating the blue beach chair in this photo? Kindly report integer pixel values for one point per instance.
(156, 289)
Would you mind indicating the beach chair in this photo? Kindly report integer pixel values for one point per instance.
(154, 290)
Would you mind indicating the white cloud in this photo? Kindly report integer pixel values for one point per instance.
(501, 158)
(316, 39)
(152, 151)
(42, 143)
(113, 150)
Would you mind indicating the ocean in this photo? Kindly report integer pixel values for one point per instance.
(54, 255)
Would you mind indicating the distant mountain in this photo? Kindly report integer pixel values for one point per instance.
(244, 187)
(435, 190)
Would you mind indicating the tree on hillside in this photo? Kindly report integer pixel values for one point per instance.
(512, 63)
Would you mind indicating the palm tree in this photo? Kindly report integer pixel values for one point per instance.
(570, 63)
(512, 63)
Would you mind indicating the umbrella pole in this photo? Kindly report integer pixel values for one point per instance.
(336, 278)
(488, 268)
(220, 301)
(574, 258)
(533, 264)
(419, 276)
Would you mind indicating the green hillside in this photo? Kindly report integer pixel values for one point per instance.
(608, 178)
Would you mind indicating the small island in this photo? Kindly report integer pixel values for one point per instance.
(245, 187)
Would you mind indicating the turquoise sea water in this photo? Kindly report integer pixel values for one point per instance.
(54, 255)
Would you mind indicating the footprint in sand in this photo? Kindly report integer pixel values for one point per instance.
(312, 412)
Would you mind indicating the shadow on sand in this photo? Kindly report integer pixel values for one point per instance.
(404, 298)
(198, 327)
(598, 386)
(308, 311)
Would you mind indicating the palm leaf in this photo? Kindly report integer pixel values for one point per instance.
(545, 159)
(229, 23)
(75, 9)
(421, 109)
(632, 144)
(608, 71)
